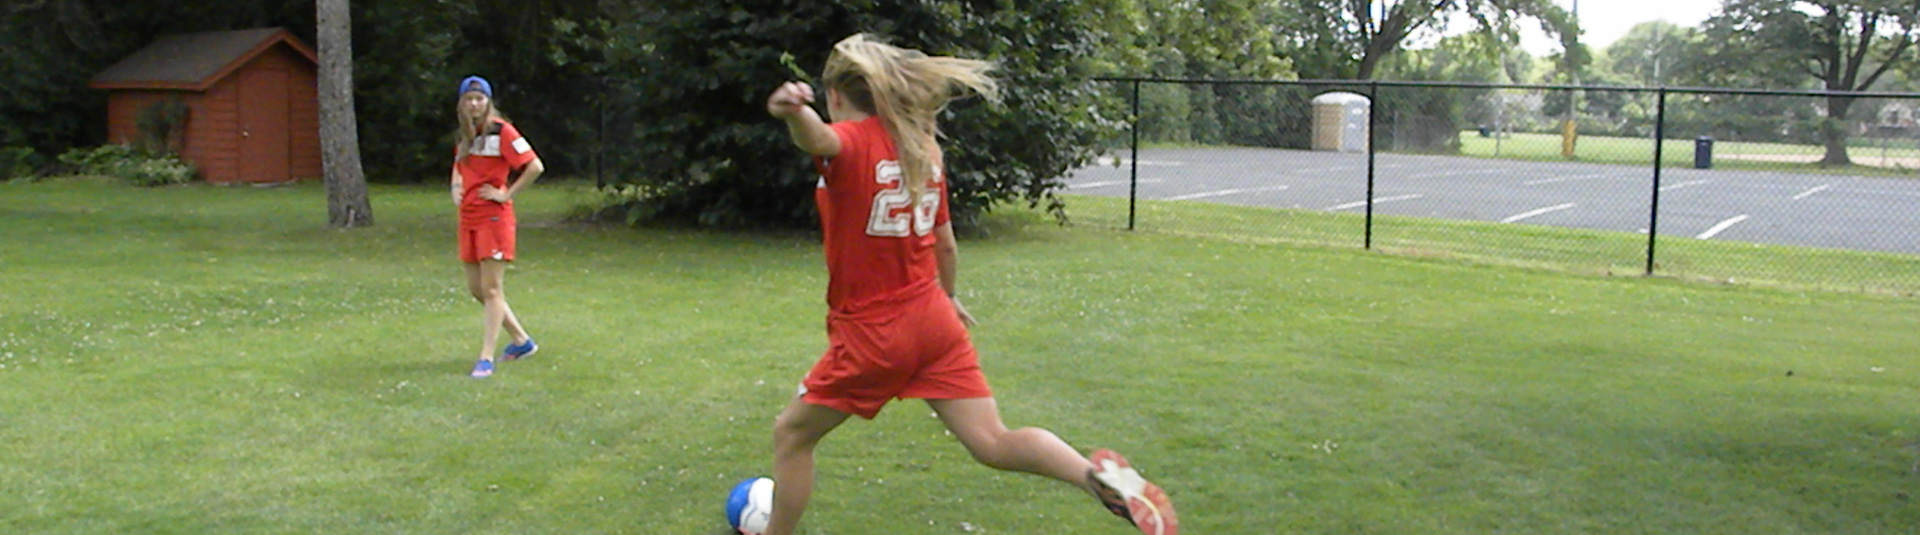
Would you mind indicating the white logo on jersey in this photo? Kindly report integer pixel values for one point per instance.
(485, 146)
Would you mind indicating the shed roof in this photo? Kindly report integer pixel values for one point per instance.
(194, 61)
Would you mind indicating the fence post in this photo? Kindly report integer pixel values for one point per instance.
(1373, 108)
(1659, 141)
(1133, 181)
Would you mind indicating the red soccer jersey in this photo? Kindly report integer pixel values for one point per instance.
(497, 152)
(878, 240)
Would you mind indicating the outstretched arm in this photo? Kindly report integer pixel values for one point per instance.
(791, 102)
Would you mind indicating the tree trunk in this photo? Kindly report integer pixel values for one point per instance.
(1834, 130)
(1368, 63)
(347, 204)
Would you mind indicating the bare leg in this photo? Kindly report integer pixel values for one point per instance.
(799, 429)
(496, 314)
(476, 286)
(1032, 450)
(511, 323)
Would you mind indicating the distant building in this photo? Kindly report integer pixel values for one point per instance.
(250, 96)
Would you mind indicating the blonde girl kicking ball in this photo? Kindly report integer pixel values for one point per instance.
(487, 151)
(894, 329)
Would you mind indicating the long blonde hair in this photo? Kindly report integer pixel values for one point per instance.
(907, 89)
(470, 129)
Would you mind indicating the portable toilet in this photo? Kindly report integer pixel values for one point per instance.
(1340, 122)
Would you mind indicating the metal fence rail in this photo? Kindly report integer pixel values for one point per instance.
(1703, 183)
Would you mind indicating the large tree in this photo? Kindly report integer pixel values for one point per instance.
(1196, 38)
(1363, 33)
(1657, 53)
(1844, 45)
(699, 72)
(347, 203)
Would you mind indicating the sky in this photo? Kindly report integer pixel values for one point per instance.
(1607, 20)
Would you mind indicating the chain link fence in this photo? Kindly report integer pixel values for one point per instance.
(1742, 186)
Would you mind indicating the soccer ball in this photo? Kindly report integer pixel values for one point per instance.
(750, 505)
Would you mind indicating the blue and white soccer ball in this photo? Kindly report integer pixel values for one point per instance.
(750, 505)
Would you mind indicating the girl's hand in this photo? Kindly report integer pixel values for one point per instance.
(456, 183)
(789, 99)
(494, 194)
(965, 318)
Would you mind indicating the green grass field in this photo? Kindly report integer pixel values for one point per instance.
(203, 360)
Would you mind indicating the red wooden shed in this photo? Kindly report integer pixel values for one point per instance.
(251, 97)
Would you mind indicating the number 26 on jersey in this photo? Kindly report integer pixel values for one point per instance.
(887, 220)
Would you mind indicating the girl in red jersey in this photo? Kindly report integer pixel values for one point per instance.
(487, 150)
(894, 329)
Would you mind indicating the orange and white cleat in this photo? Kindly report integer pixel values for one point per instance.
(1130, 496)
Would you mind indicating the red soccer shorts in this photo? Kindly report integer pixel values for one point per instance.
(912, 349)
(489, 240)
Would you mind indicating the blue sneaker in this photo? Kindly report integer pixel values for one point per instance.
(519, 351)
(483, 369)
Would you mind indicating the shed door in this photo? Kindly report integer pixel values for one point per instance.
(263, 125)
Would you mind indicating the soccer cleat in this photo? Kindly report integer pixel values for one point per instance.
(519, 351)
(1130, 496)
(482, 369)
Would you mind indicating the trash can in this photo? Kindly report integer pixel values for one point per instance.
(1703, 152)
(1486, 131)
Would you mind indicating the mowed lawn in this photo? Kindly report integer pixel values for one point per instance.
(205, 360)
(1870, 157)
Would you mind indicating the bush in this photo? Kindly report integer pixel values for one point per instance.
(101, 160)
(160, 171)
(127, 163)
(161, 124)
(18, 163)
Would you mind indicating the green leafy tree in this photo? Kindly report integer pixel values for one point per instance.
(1209, 39)
(1356, 36)
(1842, 45)
(1657, 54)
(700, 72)
(1202, 38)
(1429, 119)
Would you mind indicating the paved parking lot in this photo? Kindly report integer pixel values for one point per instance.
(1829, 211)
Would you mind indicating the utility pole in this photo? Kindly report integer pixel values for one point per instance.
(1570, 131)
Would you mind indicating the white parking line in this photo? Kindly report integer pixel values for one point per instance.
(1323, 170)
(1816, 189)
(1449, 173)
(1689, 183)
(1358, 204)
(1221, 193)
(1105, 183)
(1565, 179)
(1717, 227)
(1109, 160)
(1531, 213)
